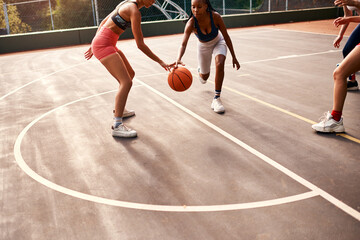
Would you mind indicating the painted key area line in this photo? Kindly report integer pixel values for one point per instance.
(352, 212)
(133, 205)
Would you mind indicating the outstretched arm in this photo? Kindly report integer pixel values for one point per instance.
(135, 19)
(220, 23)
(341, 3)
(187, 33)
(346, 20)
(343, 28)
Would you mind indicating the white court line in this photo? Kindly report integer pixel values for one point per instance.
(243, 75)
(156, 74)
(151, 207)
(315, 190)
(287, 57)
(352, 212)
(258, 61)
(250, 31)
(300, 31)
(38, 79)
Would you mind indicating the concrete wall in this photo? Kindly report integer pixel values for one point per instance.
(58, 38)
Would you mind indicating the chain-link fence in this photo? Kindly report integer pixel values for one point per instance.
(21, 16)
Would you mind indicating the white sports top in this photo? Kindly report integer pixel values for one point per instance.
(352, 8)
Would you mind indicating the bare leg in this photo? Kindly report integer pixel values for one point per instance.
(204, 76)
(219, 74)
(127, 64)
(349, 65)
(116, 65)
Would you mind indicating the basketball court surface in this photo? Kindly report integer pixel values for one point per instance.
(256, 172)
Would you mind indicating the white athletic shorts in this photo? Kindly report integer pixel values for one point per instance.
(207, 49)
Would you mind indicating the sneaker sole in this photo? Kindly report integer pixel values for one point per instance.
(221, 111)
(127, 114)
(336, 130)
(217, 111)
(353, 88)
(130, 114)
(116, 134)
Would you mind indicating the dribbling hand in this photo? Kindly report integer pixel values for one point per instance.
(177, 63)
(165, 66)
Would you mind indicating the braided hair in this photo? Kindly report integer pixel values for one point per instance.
(209, 9)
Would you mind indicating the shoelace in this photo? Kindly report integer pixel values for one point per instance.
(122, 126)
(324, 118)
(125, 128)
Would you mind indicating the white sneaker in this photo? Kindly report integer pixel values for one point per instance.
(200, 78)
(123, 131)
(328, 124)
(217, 105)
(127, 113)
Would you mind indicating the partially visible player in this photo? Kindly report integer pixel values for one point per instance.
(103, 47)
(333, 122)
(209, 28)
(349, 6)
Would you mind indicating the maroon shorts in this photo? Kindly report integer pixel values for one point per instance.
(104, 43)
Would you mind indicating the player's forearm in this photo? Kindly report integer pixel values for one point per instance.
(354, 19)
(230, 46)
(181, 52)
(343, 30)
(146, 50)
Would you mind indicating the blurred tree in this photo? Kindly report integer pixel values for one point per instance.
(34, 14)
(15, 23)
(73, 13)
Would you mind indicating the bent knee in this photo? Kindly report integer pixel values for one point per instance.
(126, 84)
(205, 76)
(132, 74)
(339, 75)
(220, 64)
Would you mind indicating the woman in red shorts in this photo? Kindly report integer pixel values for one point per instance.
(103, 47)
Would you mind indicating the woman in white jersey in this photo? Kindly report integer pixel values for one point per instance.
(210, 29)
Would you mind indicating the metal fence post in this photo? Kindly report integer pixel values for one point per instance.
(93, 10)
(250, 6)
(97, 13)
(269, 5)
(51, 16)
(6, 18)
(287, 4)
(223, 7)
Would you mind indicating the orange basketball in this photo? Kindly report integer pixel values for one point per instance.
(180, 79)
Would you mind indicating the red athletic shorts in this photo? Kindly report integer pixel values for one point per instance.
(104, 43)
